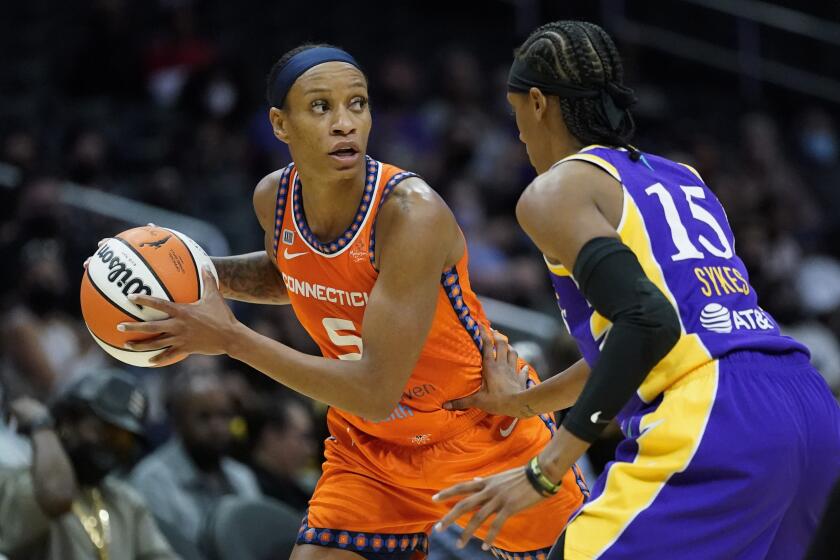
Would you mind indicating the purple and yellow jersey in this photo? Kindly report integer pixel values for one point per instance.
(678, 230)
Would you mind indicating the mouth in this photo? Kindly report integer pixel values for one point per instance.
(345, 153)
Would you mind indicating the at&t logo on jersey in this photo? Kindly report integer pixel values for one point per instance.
(717, 318)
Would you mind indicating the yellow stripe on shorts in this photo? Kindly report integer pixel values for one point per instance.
(670, 437)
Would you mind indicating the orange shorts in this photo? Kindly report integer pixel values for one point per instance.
(375, 498)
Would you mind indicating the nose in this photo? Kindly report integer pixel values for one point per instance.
(343, 124)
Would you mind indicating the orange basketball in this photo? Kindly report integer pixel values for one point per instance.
(150, 260)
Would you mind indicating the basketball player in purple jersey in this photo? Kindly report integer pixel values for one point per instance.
(732, 438)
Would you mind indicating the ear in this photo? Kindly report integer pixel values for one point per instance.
(538, 103)
(278, 117)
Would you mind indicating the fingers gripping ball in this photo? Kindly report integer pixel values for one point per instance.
(149, 260)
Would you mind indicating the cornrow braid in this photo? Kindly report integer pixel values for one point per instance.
(583, 54)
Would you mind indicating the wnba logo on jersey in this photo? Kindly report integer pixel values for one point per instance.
(720, 319)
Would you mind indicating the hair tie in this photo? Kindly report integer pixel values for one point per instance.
(623, 96)
(615, 100)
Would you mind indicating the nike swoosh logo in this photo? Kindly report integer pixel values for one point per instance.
(289, 256)
(505, 432)
(595, 417)
(650, 426)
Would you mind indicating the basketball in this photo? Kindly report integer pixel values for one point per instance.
(150, 260)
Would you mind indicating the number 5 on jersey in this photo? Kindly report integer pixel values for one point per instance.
(334, 326)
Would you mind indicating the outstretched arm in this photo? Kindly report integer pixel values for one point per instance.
(504, 390)
(53, 480)
(397, 318)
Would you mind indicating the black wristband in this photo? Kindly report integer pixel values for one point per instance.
(532, 478)
(538, 480)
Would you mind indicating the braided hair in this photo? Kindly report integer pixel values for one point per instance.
(582, 53)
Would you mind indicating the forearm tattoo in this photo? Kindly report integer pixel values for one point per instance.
(252, 278)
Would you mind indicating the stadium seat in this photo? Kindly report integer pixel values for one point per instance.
(248, 529)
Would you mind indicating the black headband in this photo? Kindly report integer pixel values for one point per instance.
(615, 98)
(300, 63)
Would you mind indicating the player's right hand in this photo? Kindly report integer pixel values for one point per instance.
(503, 380)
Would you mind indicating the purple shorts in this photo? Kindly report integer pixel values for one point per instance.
(736, 460)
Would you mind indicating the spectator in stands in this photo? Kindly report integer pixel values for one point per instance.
(185, 479)
(43, 346)
(14, 449)
(65, 506)
(284, 448)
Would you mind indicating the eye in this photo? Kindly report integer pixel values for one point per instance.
(358, 103)
(320, 106)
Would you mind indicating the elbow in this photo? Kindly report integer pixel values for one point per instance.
(55, 504)
(667, 329)
(379, 394)
(673, 331)
(377, 412)
(669, 324)
(55, 497)
(380, 406)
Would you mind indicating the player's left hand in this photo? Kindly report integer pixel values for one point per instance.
(503, 381)
(502, 495)
(203, 327)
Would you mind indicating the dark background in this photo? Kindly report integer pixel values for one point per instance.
(163, 103)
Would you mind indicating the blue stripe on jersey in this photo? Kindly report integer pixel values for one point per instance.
(452, 286)
(389, 187)
(280, 205)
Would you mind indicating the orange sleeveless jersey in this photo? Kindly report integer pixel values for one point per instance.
(329, 285)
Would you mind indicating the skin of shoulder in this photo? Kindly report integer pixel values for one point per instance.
(415, 208)
(265, 199)
(567, 206)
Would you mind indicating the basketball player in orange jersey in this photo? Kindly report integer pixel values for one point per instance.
(375, 267)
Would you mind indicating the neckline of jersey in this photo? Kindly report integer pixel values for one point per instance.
(345, 239)
(583, 151)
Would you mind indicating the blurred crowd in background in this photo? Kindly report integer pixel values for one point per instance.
(163, 104)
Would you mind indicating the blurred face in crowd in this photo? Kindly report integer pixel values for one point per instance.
(43, 281)
(204, 415)
(291, 447)
(95, 447)
(326, 120)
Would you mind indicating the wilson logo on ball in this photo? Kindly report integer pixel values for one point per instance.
(120, 274)
(131, 263)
